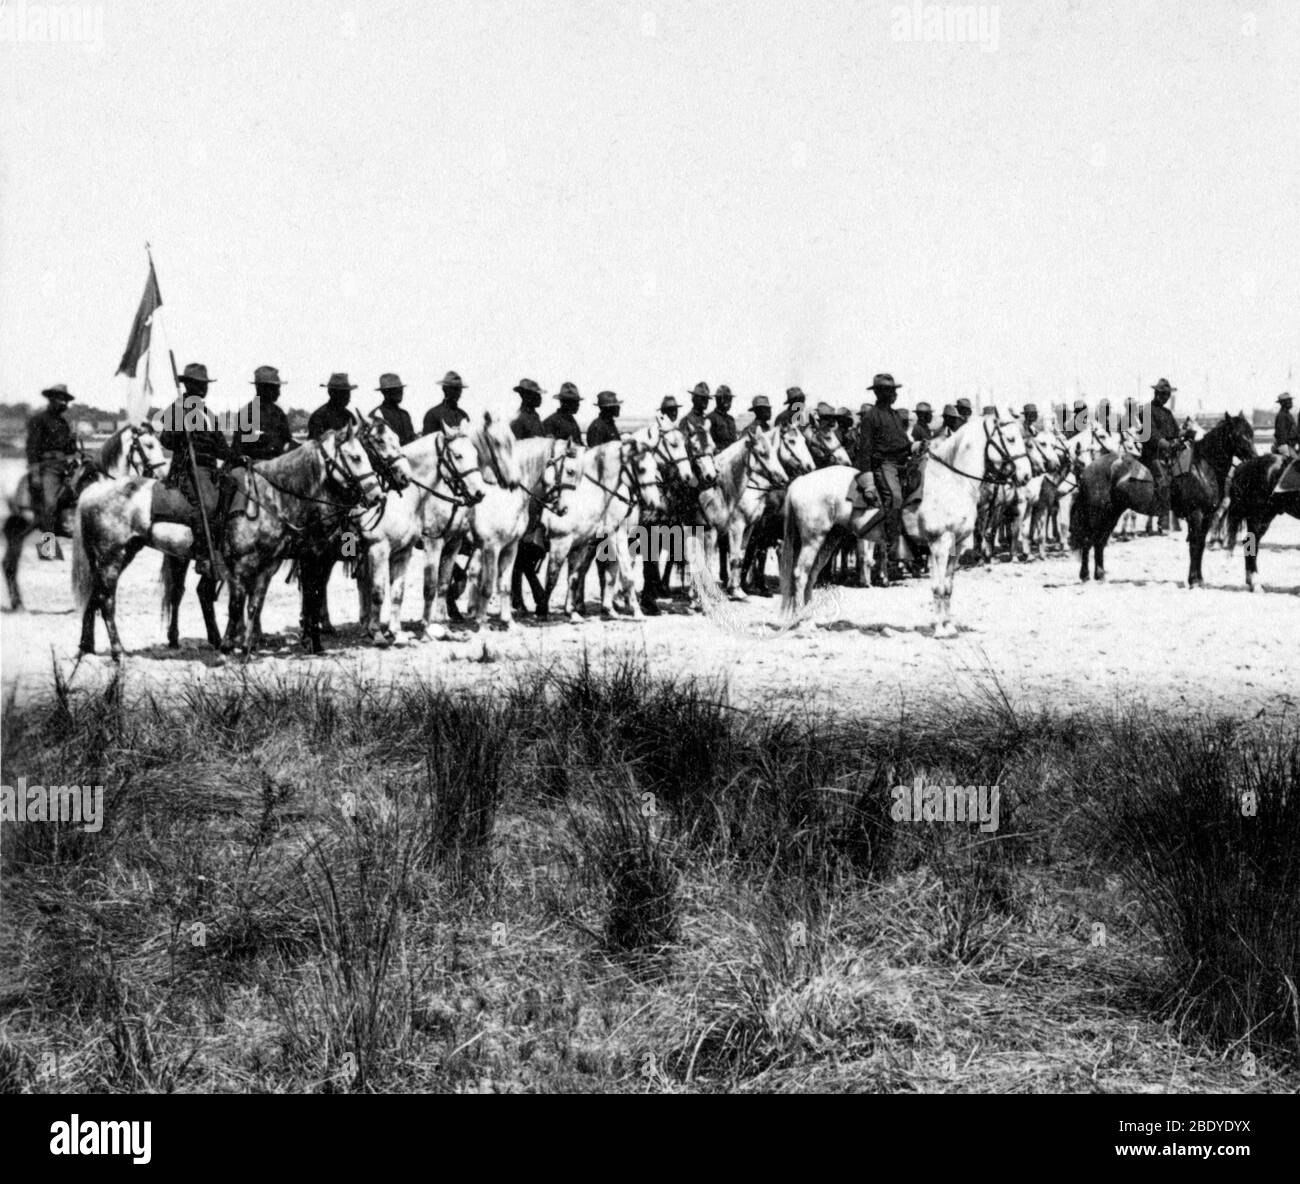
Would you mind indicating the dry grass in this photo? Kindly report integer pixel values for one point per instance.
(605, 880)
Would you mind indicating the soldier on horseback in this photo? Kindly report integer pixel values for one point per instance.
(263, 429)
(391, 411)
(527, 425)
(1160, 435)
(1286, 436)
(795, 400)
(922, 432)
(332, 416)
(1029, 420)
(761, 407)
(722, 425)
(190, 416)
(964, 410)
(883, 450)
(668, 408)
(50, 442)
(604, 427)
(563, 424)
(531, 551)
(696, 421)
(448, 415)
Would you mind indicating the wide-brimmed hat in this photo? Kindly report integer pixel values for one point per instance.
(339, 382)
(196, 372)
(884, 382)
(568, 391)
(795, 395)
(923, 407)
(59, 391)
(1028, 407)
(949, 411)
(700, 391)
(390, 382)
(865, 408)
(760, 401)
(452, 379)
(964, 405)
(825, 410)
(1284, 397)
(843, 413)
(669, 403)
(1162, 387)
(723, 392)
(527, 386)
(607, 399)
(267, 376)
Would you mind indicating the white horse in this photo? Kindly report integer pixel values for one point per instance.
(988, 450)
(756, 468)
(615, 479)
(444, 467)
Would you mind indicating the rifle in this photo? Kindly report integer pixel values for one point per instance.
(194, 475)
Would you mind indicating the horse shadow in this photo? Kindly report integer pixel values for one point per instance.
(1138, 582)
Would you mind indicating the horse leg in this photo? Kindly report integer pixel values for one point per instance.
(375, 591)
(108, 595)
(16, 529)
(507, 557)
(1197, 525)
(943, 551)
(488, 583)
(1100, 539)
(256, 598)
(207, 592)
(434, 621)
(1255, 528)
(174, 583)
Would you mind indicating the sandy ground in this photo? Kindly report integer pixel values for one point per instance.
(1048, 640)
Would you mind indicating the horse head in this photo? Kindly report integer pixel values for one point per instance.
(385, 452)
(458, 467)
(792, 451)
(763, 460)
(673, 455)
(347, 466)
(495, 443)
(699, 446)
(639, 463)
(1241, 435)
(1005, 451)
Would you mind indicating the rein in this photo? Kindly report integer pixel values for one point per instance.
(991, 476)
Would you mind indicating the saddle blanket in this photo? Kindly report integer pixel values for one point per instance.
(1289, 482)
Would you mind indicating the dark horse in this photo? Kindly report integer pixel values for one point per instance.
(1112, 484)
(1195, 494)
(1254, 498)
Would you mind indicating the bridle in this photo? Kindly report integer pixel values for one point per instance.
(663, 453)
(770, 470)
(999, 470)
(634, 482)
(496, 462)
(390, 478)
(447, 472)
(784, 453)
(136, 455)
(696, 455)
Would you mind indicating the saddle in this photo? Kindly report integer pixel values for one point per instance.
(1181, 462)
(863, 494)
(1289, 482)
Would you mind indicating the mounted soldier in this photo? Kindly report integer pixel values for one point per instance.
(604, 427)
(965, 410)
(722, 424)
(921, 430)
(527, 425)
(391, 410)
(50, 442)
(263, 428)
(1077, 420)
(668, 408)
(847, 429)
(190, 416)
(448, 415)
(563, 424)
(333, 415)
(696, 421)
(883, 450)
(1286, 436)
(1160, 435)
(761, 407)
(1029, 420)
(951, 421)
(795, 401)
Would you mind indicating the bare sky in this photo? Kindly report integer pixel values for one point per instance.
(642, 195)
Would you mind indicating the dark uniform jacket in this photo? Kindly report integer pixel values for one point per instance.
(723, 426)
(329, 418)
(923, 431)
(399, 419)
(753, 427)
(209, 442)
(1285, 431)
(527, 425)
(49, 434)
(444, 417)
(1161, 425)
(882, 437)
(560, 425)
(783, 420)
(601, 431)
(270, 436)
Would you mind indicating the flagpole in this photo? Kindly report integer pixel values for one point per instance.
(189, 451)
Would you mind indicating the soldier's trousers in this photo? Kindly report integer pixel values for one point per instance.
(528, 561)
(889, 484)
(47, 484)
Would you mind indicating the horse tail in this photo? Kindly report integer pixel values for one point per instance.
(83, 575)
(1078, 535)
(169, 592)
(790, 543)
